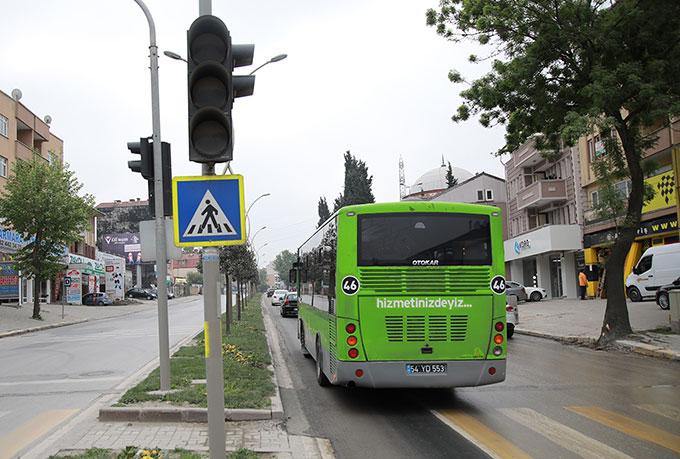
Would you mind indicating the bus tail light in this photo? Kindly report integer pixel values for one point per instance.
(350, 328)
(359, 373)
(499, 327)
(352, 340)
(509, 308)
(498, 339)
(353, 353)
(497, 350)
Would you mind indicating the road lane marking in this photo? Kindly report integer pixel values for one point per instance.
(667, 411)
(480, 435)
(31, 430)
(57, 381)
(629, 426)
(562, 435)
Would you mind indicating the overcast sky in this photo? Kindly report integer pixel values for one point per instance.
(362, 75)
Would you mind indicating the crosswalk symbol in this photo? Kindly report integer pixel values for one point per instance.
(209, 219)
(208, 211)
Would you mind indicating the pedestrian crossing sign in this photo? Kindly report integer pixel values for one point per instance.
(208, 210)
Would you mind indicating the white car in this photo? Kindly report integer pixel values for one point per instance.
(511, 318)
(535, 293)
(278, 296)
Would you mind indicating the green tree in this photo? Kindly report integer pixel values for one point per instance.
(451, 180)
(283, 263)
(194, 278)
(564, 68)
(358, 184)
(324, 213)
(41, 201)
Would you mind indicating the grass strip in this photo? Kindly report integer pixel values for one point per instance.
(247, 378)
(132, 452)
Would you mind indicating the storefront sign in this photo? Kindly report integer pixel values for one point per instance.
(11, 241)
(115, 278)
(125, 245)
(664, 192)
(88, 265)
(74, 290)
(657, 226)
(524, 244)
(9, 281)
(552, 238)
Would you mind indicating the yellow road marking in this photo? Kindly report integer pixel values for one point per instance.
(486, 439)
(668, 411)
(629, 426)
(31, 430)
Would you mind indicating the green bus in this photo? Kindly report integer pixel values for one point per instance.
(407, 294)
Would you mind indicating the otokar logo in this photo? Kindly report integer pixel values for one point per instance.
(425, 263)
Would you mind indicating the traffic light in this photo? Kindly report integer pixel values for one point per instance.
(212, 88)
(145, 166)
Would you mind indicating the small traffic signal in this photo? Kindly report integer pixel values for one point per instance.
(212, 88)
(144, 165)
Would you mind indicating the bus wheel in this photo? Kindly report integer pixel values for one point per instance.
(303, 347)
(320, 376)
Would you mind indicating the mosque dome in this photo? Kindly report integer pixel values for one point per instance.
(435, 179)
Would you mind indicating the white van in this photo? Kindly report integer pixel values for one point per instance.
(658, 266)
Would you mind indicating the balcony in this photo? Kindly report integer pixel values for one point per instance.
(541, 193)
(22, 151)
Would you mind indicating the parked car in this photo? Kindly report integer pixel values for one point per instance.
(154, 291)
(517, 289)
(511, 318)
(535, 293)
(278, 296)
(659, 266)
(98, 299)
(140, 293)
(270, 292)
(289, 307)
(662, 298)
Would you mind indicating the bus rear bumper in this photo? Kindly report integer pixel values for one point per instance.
(460, 373)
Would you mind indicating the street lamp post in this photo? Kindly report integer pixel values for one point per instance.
(161, 254)
(276, 58)
(256, 233)
(248, 210)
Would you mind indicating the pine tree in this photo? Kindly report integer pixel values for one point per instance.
(324, 213)
(451, 181)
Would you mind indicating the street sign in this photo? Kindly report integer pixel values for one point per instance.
(208, 210)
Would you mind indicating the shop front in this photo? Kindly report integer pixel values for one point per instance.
(546, 258)
(82, 276)
(13, 288)
(658, 231)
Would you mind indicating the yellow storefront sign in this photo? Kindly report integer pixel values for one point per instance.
(664, 192)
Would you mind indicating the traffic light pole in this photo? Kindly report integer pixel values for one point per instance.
(161, 252)
(214, 366)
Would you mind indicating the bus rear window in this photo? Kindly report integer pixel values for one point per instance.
(424, 239)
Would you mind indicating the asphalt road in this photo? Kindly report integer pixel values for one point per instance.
(557, 401)
(48, 376)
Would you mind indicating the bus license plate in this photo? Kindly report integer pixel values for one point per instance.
(425, 368)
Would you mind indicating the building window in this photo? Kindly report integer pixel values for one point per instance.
(3, 166)
(594, 198)
(3, 126)
(480, 195)
(489, 195)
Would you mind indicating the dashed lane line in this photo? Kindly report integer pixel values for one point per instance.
(667, 411)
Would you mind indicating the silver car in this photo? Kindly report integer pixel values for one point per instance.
(516, 289)
(278, 296)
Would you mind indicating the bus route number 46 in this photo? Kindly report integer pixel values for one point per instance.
(498, 285)
(350, 285)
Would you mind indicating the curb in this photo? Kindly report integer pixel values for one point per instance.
(648, 350)
(276, 403)
(179, 414)
(41, 327)
(578, 340)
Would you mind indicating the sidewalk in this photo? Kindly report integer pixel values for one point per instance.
(14, 320)
(576, 321)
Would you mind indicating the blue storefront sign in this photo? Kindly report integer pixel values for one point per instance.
(9, 281)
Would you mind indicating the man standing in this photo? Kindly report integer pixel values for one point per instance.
(582, 284)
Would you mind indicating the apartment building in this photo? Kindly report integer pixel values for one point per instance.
(22, 133)
(544, 204)
(659, 222)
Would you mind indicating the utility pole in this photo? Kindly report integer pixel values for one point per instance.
(161, 252)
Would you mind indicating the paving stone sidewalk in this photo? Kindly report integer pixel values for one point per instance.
(13, 318)
(577, 320)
